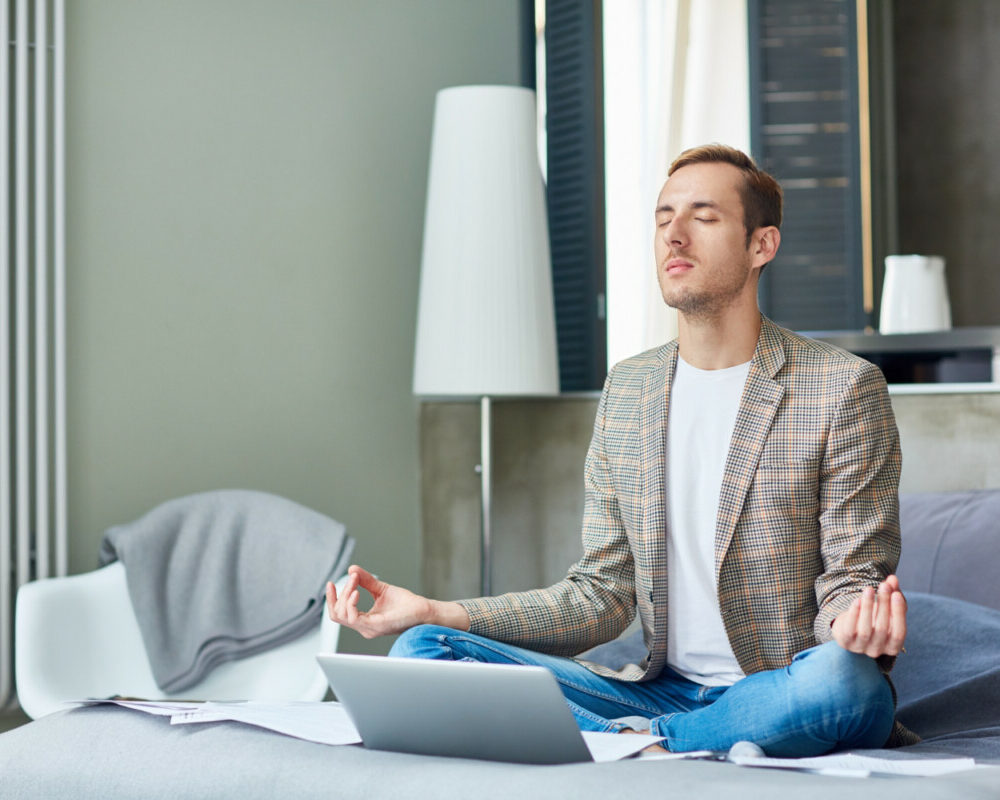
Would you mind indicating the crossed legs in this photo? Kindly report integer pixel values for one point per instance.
(826, 699)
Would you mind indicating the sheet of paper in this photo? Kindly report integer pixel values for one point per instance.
(849, 764)
(325, 723)
(161, 708)
(616, 746)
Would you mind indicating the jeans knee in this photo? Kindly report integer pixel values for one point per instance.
(845, 682)
(418, 642)
(856, 675)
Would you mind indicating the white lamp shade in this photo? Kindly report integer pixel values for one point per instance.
(485, 322)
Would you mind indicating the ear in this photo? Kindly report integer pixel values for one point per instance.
(764, 245)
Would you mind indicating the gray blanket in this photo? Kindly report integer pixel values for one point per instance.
(224, 575)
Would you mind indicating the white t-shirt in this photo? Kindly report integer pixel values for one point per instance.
(702, 415)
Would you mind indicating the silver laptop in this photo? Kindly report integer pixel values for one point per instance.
(497, 712)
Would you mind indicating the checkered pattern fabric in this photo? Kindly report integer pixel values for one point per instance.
(808, 512)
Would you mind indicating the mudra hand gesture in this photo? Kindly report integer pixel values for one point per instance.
(875, 623)
(394, 609)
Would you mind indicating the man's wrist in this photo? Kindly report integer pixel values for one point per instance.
(449, 615)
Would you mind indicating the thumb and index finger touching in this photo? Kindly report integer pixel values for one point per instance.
(357, 576)
(365, 579)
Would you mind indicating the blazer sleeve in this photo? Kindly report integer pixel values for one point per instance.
(596, 600)
(859, 497)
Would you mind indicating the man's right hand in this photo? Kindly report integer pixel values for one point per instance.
(393, 610)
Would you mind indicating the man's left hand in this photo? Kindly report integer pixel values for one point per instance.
(875, 624)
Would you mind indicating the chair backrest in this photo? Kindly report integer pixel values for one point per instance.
(77, 637)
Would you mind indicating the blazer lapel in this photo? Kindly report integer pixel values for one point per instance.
(652, 433)
(761, 397)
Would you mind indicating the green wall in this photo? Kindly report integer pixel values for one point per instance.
(246, 184)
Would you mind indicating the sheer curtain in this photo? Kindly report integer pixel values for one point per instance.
(675, 75)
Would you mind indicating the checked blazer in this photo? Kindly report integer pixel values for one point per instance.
(808, 512)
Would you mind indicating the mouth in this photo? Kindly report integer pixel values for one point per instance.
(678, 266)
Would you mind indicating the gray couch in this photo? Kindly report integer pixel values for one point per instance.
(948, 682)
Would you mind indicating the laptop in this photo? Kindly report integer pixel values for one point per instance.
(497, 712)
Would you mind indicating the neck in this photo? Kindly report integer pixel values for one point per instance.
(719, 341)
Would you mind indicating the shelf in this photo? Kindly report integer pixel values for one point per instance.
(960, 356)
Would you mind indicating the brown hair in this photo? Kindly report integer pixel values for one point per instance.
(760, 192)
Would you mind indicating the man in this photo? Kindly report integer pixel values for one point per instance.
(741, 495)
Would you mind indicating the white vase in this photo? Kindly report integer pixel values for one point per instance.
(914, 295)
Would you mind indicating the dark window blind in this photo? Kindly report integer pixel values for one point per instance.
(804, 131)
(574, 121)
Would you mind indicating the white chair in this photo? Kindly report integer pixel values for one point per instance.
(77, 637)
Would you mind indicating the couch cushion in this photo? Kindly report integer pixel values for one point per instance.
(950, 542)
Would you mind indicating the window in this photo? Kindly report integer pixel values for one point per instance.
(627, 88)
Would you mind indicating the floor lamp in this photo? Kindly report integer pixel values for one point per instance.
(485, 322)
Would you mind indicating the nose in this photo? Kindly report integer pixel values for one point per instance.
(675, 233)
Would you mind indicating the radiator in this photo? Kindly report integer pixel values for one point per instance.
(32, 303)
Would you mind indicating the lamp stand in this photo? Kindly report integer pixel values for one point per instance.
(485, 470)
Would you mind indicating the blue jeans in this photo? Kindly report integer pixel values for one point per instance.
(826, 699)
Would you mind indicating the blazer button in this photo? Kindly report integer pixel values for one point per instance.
(650, 595)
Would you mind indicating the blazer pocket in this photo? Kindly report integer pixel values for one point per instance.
(788, 489)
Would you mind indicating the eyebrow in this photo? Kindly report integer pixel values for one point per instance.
(696, 205)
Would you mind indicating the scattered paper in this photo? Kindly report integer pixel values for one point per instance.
(328, 723)
(324, 723)
(856, 766)
(698, 755)
(616, 746)
(160, 708)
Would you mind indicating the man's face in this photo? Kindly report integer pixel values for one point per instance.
(703, 263)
